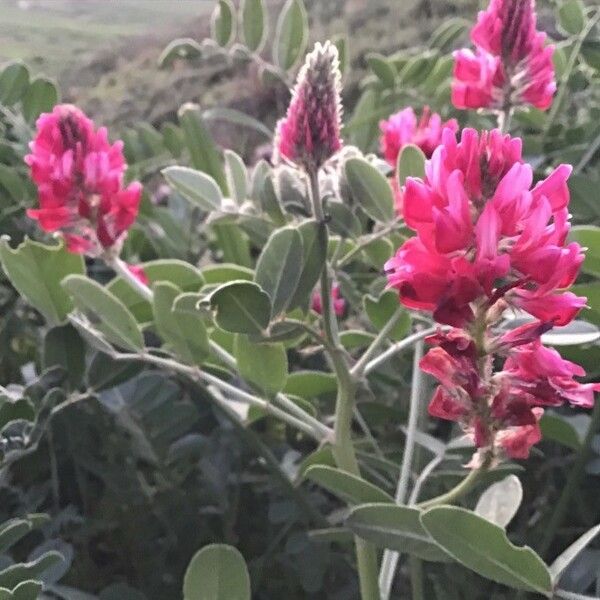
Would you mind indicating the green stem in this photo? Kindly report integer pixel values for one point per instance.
(359, 368)
(416, 578)
(463, 488)
(390, 558)
(572, 484)
(343, 448)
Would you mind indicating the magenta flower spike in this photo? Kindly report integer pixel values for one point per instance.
(79, 175)
(488, 239)
(309, 134)
(511, 64)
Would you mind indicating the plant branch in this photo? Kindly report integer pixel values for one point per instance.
(390, 558)
(398, 347)
(359, 368)
(120, 268)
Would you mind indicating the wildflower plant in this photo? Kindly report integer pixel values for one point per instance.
(426, 230)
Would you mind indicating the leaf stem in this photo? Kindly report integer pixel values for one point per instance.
(120, 267)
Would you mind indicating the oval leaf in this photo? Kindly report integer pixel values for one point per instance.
(348, 487)
(36, 271)
(253, 23)
(291, 35)
(14, 81)
(107, 313)
(411, 163)
(217, 572)
(501, 501)
(197, 187)
(396, 528)
(41, 96)
(484, 548)
(263, 364)
(241, 307)
(223, 22)
(370, 189)
(279, 267)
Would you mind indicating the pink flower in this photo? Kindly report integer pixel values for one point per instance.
(542, 376)
(339, 304)
(79, 176)
(485, 233)
(488, 238)
(402, 128)
(310, 132)
(511, 66)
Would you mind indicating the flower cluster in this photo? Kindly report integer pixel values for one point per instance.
(79, 175)
(403, 128)
(310, 132)
(511, 64)
(487, 240)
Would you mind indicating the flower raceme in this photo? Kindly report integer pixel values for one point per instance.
(79, 175)
(309, 134)
(511, 64)
(403, 128)
(489, 239)
(338, 302)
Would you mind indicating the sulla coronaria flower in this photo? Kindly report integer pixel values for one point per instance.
(403, 128)
(337, 301)
(511, 64)
(309, 134)
(79, 175)
(488, 239)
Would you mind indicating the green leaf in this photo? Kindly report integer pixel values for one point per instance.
(15, 410)
(314, 251)
(570, 554)
(380, 310)
(396, 528)
(279, 267)
(204, 154)
(185, 48)
(41, 97)
(11, 532)
(571, 16)
(63, 346)
(254, 23)
(560, 429)
(237, 176)
(17, 573)
(106, 312)
(370, 189)
(484, 548)
(172, 139)
(197, 187)
(383, 69)
(501, 501)
(350, 488)
(36, 271)
(178, 272)
(224, 272)
(223, 23)
(264, 364)
(447, 33)
(363, 125)
(353, 339)
(14, 81)
(291, 34)
(27, 590)
(183, 331)
(241, 307)
(309, 384)
(589, 237)
(411, 163)
(217, 572)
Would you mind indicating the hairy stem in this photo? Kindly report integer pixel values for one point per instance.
(343, 448)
